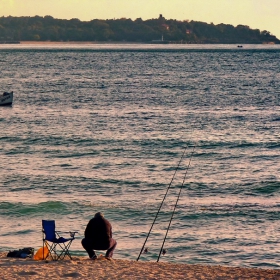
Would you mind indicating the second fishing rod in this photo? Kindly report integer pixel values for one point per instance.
(167, 190)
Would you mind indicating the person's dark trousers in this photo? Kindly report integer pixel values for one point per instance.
(110, 251)
(89, 247)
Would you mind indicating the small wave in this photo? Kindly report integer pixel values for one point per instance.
(22, 209)
(19, 232)
(268, 188)
(273, 145)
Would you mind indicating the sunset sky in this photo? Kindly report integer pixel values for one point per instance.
(261, 14)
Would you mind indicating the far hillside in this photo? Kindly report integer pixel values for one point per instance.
(13, 29)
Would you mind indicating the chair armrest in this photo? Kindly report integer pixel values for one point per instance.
(72, 233)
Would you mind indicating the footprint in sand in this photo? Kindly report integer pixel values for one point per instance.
(22, 273)
(73, 274)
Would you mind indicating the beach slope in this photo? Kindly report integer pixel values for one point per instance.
(83, 268)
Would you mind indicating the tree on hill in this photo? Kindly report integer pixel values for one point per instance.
(48, 28)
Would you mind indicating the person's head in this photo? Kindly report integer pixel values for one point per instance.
(99, 215)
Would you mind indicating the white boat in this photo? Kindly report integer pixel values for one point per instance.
(6, 98)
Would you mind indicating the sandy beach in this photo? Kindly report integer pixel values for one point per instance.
(84, 268)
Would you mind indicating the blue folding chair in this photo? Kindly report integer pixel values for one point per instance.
(58, 246)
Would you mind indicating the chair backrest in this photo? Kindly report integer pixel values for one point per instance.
(49, 229)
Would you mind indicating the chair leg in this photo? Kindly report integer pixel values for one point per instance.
(52, 251)
(65, 250)
(46, 245)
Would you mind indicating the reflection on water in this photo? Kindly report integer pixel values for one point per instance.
(103, 127)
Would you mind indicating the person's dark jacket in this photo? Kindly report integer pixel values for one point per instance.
(99, 231)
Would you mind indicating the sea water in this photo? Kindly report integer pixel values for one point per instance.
(103, 128)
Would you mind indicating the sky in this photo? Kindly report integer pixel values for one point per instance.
(257, 14)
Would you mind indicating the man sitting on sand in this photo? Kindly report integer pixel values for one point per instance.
(98, 236)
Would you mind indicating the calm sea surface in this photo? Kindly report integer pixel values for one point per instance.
(103, 128)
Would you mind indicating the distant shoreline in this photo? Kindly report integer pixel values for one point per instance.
(152, 31)
(77, 43)
(124, 43)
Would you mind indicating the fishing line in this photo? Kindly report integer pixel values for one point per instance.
(162, 202)
(161, 249)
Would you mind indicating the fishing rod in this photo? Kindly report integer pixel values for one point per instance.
(161, 249)
(162, 202)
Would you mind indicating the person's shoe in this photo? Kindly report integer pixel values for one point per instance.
(94, 257)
